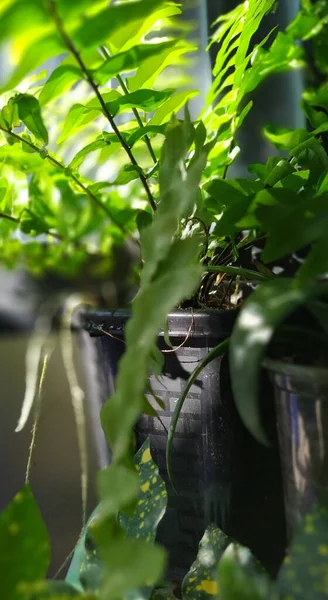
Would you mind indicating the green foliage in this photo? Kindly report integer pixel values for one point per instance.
(118, 486)
(24, 545)
(200, 582)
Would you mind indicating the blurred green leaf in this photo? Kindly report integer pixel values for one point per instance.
(60, 80)
(241, 577)
(130, 60)
(201, 580)
(102, 26)
(129, 564)
(24, 544)
(30, 113)
(52, 590)
(34, 56)
(31, 224)
(304, 572)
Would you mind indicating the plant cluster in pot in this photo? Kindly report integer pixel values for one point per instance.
(283, 327)
(191, 221)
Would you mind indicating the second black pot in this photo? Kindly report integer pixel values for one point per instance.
(221, 473)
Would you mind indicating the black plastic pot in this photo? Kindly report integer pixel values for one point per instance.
(221, 473)
(301, 395)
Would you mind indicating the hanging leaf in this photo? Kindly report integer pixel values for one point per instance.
(30, 113)
(24, 544)
(264, 310)
(241, 577)
(200, 583)
(60, 80)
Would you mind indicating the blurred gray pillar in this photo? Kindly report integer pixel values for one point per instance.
(196, 12)
(277, 100)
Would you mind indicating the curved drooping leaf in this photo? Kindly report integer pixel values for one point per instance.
(24, 544)
(214, 353)
(264, 310)
(200, 583)
(241, 577)
(304, 571)
(30, 113)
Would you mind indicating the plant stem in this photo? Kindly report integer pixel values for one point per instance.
(85, 189)
(16, 220)
(134, 110)
(70, 46)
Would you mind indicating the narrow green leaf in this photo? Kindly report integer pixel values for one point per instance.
(24, 544)
(60, 80)
(214, 353)
(172, 105)
(80, 156)
(146, 100)
(264, 310)
(235, 271)
(30, 113)
(147, 130)
(200, 583)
